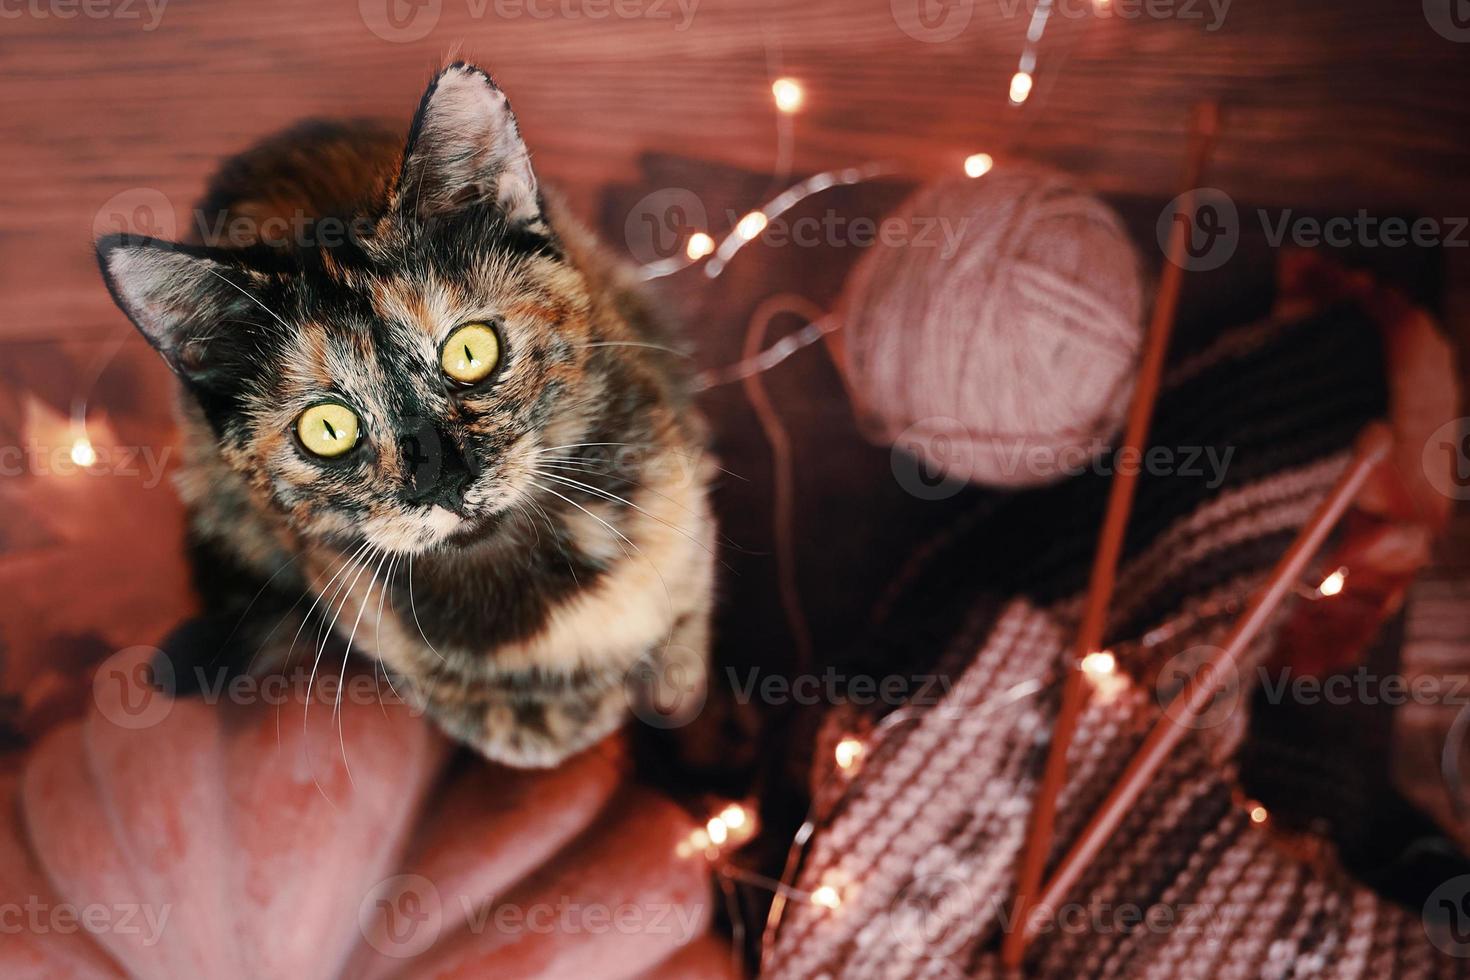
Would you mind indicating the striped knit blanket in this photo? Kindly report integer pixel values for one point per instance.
(920, 842)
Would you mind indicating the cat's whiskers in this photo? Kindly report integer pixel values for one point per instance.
(291, 650)
(249, 296)
(520, 511)
(382, 597)
(413, 606)
(608, 495)
(346, 653)
(378, 635)
(352, 636)
(346, 594)
(635, 343)
(347, 564)
(667, 449)
(668, 597)
(558, 463)
(527, 501)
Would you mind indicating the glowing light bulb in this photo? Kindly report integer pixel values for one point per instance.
(1101, 670)
(699, 246)
(1100, 663)
(978, 164)
(788, 93)
(82, 452)
(718, 832)
(751, 225)
(1020, 87)
(848, 752)
(734, 816)
(1258, 813)
(1332, 584)
(826, 896)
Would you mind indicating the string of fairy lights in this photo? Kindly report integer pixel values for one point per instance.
(731, 825)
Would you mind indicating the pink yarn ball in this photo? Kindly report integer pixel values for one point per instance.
(997, 338)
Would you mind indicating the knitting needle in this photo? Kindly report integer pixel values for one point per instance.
(1374, 445)
(1204, 124)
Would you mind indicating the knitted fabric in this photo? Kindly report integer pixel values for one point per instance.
(922, 841)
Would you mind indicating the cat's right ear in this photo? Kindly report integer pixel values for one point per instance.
(465, 151)
(176, 296)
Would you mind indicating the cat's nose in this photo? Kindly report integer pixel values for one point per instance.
(435, 467)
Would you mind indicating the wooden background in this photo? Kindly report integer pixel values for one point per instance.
(1330, 104)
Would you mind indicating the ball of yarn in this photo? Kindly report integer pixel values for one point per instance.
(996, 338)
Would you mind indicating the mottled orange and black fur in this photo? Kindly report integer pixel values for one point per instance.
(531, 538)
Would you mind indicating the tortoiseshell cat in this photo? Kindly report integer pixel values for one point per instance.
(465, 399)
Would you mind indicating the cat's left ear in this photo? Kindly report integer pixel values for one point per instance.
(465, 150)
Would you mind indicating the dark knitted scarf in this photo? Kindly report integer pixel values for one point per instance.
(921, 841)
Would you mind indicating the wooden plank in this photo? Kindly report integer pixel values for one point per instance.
(1329, 104)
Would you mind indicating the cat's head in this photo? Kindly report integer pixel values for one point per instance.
(398, 385)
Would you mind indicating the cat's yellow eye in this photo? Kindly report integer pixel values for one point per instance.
(329, 429)
(470, 353)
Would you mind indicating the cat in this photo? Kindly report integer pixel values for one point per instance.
(459, 399)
